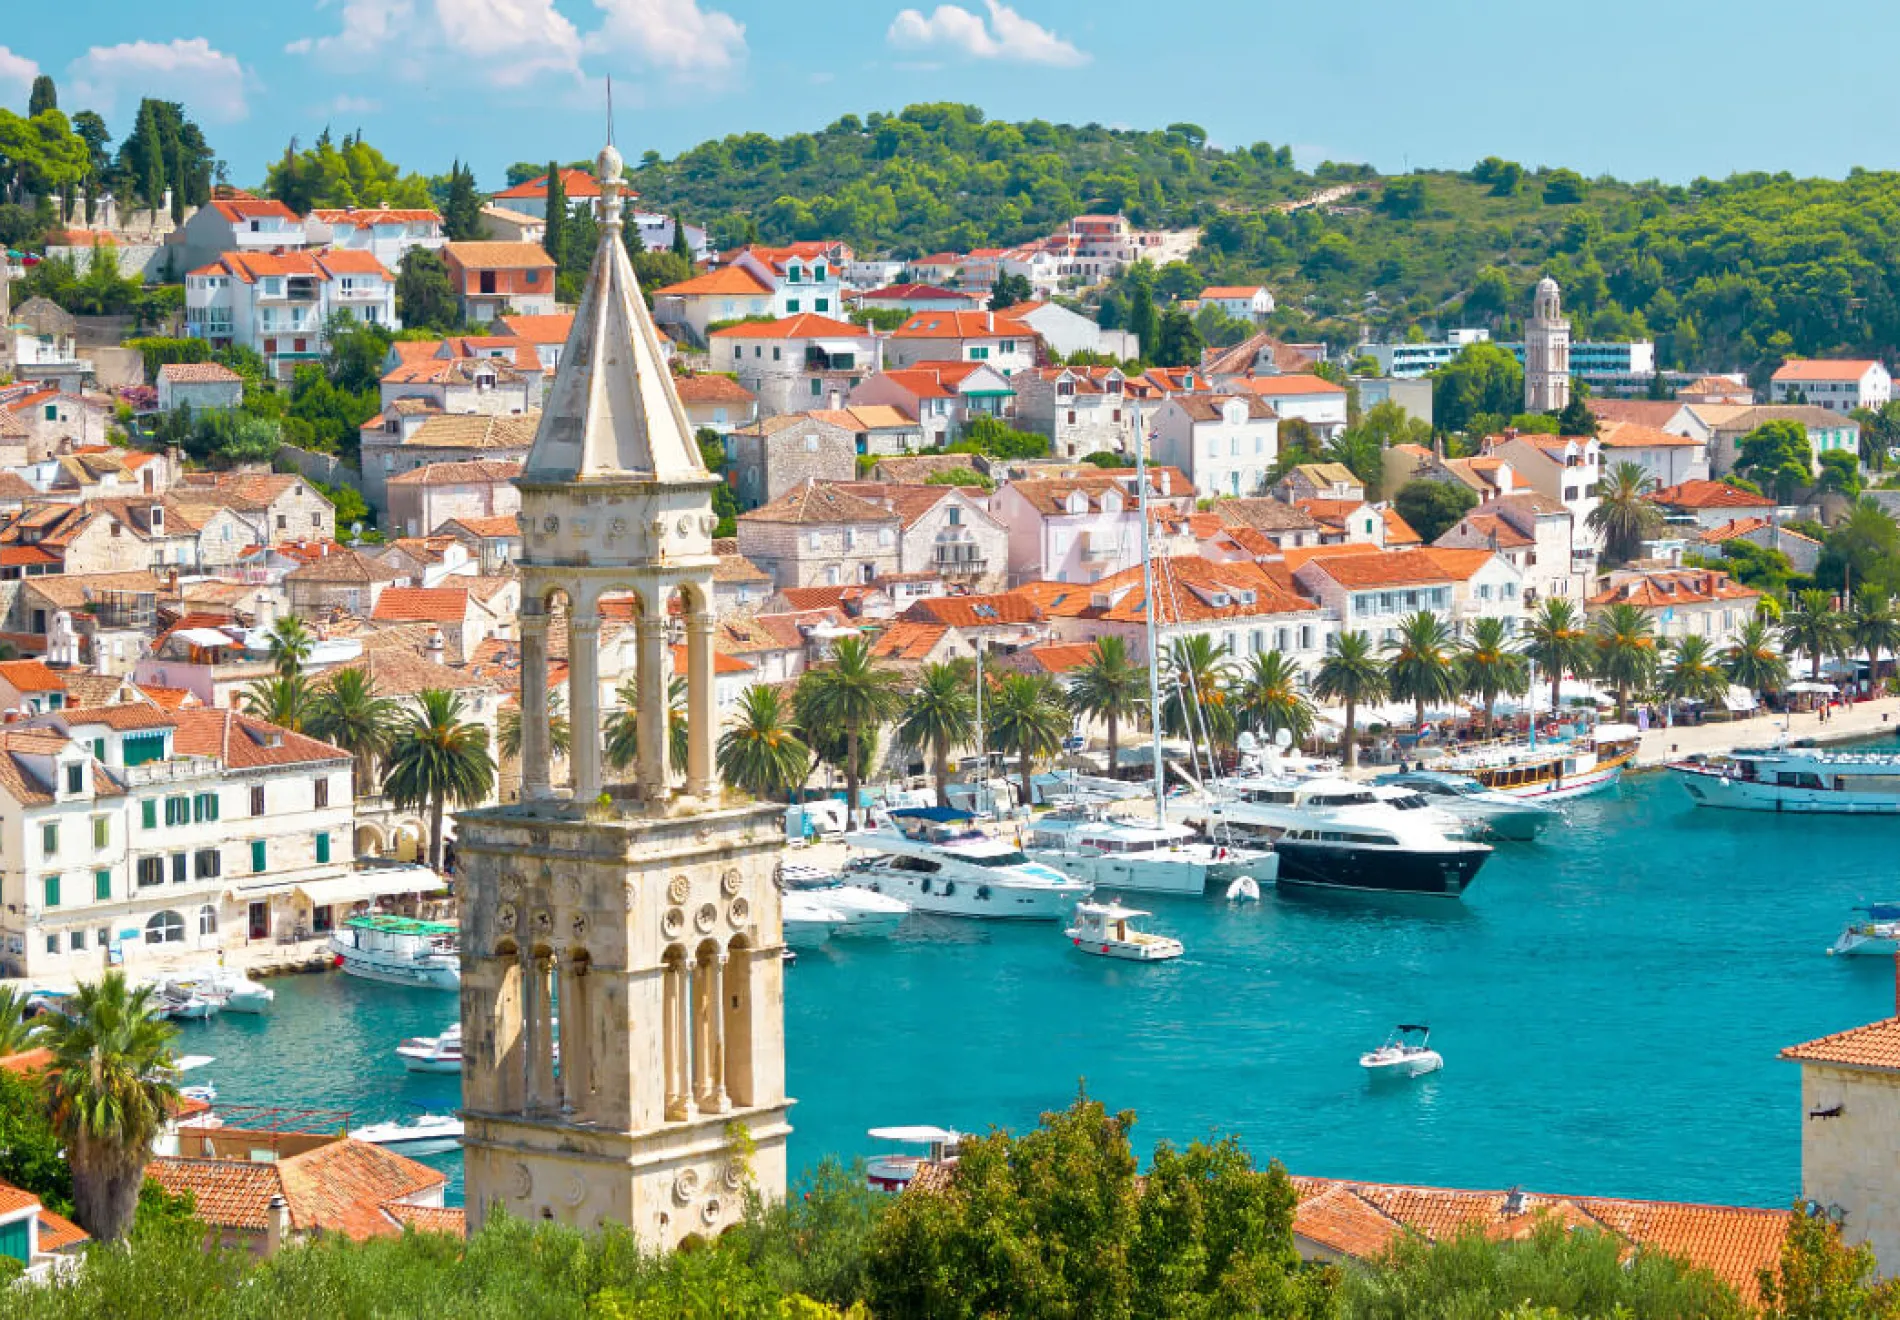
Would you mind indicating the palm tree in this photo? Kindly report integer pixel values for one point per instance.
(1812, 624)
(758, 752)
(1623, 513)
(853, 694)
(623, 726)
(283, 701)
(1421, 666)
(290, 645)
(939, 715)
(1875, 627)
(1350, 673)
(436, 759)
(111, 1092)
(1559, 642)
(1694, 673)
(1272, 696)
(1625, 638)
(560, 732)
(1108, 686)
(17, 1034)
(347, 713)
(1026, 716)
(1490, 665)
(1195, 673)
(1753, 660)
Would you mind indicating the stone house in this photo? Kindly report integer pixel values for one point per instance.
(778, 454)
(398, 447)
(494, 543)
(1681, 602)
(1565, 468)
(943, 398)
(817, 535)
(1537, 535)
(1320, 481)
(200, 386)
(992, 338)
(424, 498)
(1721, 428)
(1804, 552)
(279, 507)
(1850, 1103)
(947, 531)
(1081, 409)
(738, 583)
(1266, 526)
(494, 279)
(493, 377)
(716, 403)
(339, 581)
(465, 618)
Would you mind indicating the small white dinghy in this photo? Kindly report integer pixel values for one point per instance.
(429, 1134)
(1102, 929)
(1244, 889)
(1406, 1053)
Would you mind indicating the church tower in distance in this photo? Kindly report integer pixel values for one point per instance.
(622, 993)
(1546, 352)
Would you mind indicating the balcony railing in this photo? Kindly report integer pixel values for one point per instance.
(175, 771)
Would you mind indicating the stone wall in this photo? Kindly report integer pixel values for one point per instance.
(1848, 1159)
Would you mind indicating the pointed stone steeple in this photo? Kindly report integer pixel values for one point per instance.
(612, 412)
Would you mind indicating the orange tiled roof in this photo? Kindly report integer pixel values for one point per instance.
(370, 217)
(1061, 657)
(422, 605)
(1876, 1045)
(497, 256)
(26, 1062)
(1399, 567)
(1636, 435)
(574, 183)
(962, 325)
(58, 1232)
(477, 471)
(973, 611)
(816, 503)
(1666, 590)
(1273, 387)
(241, 742)
(30, 676)
(1399, 532)
(727, 279)
(539, 329)
(1231, 291)
(198, 373)
(1836, 369)
(1709, 495)
(908, 640)
(805, 325)
(709, 388)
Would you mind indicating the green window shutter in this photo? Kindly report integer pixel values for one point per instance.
(257, 855)
(323, 847)
(102, 885)
(13, 1239)
(148, 813)
(101, 831)
(99, 749)
(49, 839)
(212, 798)
(52, 891)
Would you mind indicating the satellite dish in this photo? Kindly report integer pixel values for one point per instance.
(356, 532)
(1283, 738)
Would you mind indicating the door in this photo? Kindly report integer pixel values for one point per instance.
(260, 921)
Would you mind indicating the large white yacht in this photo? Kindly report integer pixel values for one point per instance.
(933, 860)
(1795, 779)
(1486, 813)
(1141, 856)
(1336, 834)
(860, 911)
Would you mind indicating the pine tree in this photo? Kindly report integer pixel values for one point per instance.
(681, 248)
(43, 97)
(555, 240)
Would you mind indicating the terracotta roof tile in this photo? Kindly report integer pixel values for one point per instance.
(726, 280)
(1060, 657)
(31, 676)
(345, 1187)
(974, 611)
(227, 1193)
(240, 742)
(497, 256)
(1636, 435)
(819, 504)
(479, 471)
(1207, 407)
(58, 1232)
(343, 565)
(709, 388)
(1709, 495)
(1830, 369)
(466, 431)
(402, 673)
(951, 324)
(422, 604)
(908, 641)
(1876, 1045)
(449, 1220)
(1277, 387)
(499, 527)
(805, 325)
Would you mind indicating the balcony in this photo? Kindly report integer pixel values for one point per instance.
(952, 560)
(178, 770)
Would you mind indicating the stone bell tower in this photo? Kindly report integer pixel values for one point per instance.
(1546, 352)
(622, 1000)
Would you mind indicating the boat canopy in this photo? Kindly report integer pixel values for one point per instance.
(1413, 1026)
(936, 815)
(922, 1133)
(1883, 911)
(400, 925)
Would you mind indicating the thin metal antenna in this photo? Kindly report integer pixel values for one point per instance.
(610, 109)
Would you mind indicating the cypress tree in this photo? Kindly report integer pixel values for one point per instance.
(462, 214)
(43, 97)
(681, 248)
(556, 240)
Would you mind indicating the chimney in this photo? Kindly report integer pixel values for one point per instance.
(171, 579)
(437, 649)
(276, 1223)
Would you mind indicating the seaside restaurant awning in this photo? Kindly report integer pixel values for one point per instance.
(366, 886)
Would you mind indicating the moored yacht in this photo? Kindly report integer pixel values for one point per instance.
(859, 911)
(399, 950)
(933, 860)
(1337, 834)
(808, 921)
(1552, 771)
(1795, 779)
(1876, 934)
(429, 1134)
(433, 1054)
(1486, 812)
(1144, 856)
(230, 989)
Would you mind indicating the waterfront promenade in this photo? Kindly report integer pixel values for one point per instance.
(1866, 719)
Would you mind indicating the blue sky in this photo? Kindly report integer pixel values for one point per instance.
(1661, 88)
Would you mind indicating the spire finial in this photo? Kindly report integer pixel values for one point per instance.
(608, 170)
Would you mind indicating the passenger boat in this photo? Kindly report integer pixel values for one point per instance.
(1553, 771)
(399, 950)
(1340, 835)
(1485, 812)
(429, 1134)
(933, 860)
(1103, 930)
(859, 911)
(1407, 1053)
(1877, 934)
(894, 1172)
(1143, 856)
(1795, 779)
(433, 1054)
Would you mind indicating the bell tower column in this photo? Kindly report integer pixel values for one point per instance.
(702, 704)
(583, 686)
(655, 775)
(536, 745)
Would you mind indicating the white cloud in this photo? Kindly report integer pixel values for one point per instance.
(16, 70)
(515, 41)
(675, 35)
(1006, 36)
(369, 27)
(354, 105)
(209, 82)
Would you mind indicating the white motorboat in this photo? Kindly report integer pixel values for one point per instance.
(1335, 834)
(893, 1172)
(933, 860)
(1808, 780)
(433, 1054)
(179, 1004)
(1877, 934)
(1103, 930)
(808, 920)
(232, 990)
(1407, 1053)
(1552, 771)
(1485, 812)
(1145, 856)
(1244, 890)
(399, 950)
(429, 1134)
(864, 912)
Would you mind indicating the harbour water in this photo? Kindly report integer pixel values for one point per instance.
(1609, 1001)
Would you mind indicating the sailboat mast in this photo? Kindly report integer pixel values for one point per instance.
(1154, 632)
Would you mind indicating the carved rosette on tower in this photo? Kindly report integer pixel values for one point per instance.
(647, 910)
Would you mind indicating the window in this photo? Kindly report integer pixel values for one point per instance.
(51, 896)
(1008, 346)
(77, 941)
(323, 846)
(151, 871)
(979, 355)
(207, 920)
(817, 389)
(956, 517)
(148, 813)
(52, 412)
(258, 858)
(103, 936)
(52, 944)
(257, 800)
(76, 778)
(323, 792)
(49, 839)
(102, 886)
(822, 304)
(178, 810)
(165, 928)
(181, 868)
(102, 831)
(204, 807)
(791, 306)
(208, 863)
(777, 354)
(98, 749)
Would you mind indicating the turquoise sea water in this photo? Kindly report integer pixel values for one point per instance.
(1609, 1002)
